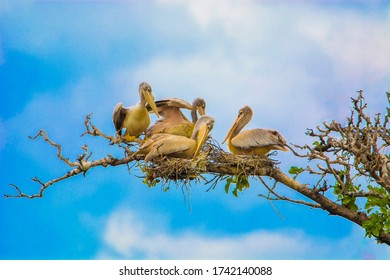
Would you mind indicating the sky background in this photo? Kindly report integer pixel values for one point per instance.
(296, 63)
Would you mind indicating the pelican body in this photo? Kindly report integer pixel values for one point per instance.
(177, 146)
(254, 141)
(135, 119)
(174, 121)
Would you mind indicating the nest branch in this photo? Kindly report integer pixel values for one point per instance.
(212, 160)
(344, 153)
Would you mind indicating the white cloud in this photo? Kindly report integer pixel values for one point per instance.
(353, 43)
(356, 42)
(129, 235)
(231, 15)
(297, 65)
(290, 62)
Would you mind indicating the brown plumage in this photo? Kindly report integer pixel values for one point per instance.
(163, 144)
(174, 121)
(254, 141)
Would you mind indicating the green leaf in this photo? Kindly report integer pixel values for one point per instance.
(375, 231)
(354, 207)
(350, 203)
(337, 190)
(242, 182)
(342, 173)
(346, 200)
(235, 192)
(317, 144)
(367, 225)
(245, 182)
(228, 182)
(149, 183)
(295, 170)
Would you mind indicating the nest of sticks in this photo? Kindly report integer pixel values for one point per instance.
(212, 160)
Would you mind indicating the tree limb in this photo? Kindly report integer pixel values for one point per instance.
(339, 157)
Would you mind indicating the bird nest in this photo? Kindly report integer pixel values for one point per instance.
(212, 160)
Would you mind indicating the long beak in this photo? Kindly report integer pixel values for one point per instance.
(201, 110)
(203, 132)
(232, 129)
(150, 99)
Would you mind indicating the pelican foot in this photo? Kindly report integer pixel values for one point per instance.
(117, 140)
(129, 138)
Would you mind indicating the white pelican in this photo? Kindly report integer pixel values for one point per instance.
(256, 141)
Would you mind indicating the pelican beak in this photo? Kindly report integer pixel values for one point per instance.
(236, 122)
(148, 95)
(201, 138)
(201, 110)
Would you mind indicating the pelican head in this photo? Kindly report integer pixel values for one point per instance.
(199, 105)
(146, 95)
(244, 116)
(201, 130)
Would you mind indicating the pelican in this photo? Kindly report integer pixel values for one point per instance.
(173, 121)
(135, 119)
(163, 144)
(256, 141)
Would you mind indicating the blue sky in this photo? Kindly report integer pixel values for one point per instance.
(296, 65)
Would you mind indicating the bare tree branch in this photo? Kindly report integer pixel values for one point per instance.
(277, 197)
(348, 163)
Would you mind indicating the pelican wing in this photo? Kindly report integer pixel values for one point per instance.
(174, 144)
(118, 117)
(148, 144)
(173, 121)
(166, 127)
(162, 105)
(175, 102)
(254, 138)
(167, 145)
(171, 114)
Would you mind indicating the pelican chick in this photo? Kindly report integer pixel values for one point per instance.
(174, 121)
(177, 146)
(135, 119)
(256, 141)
